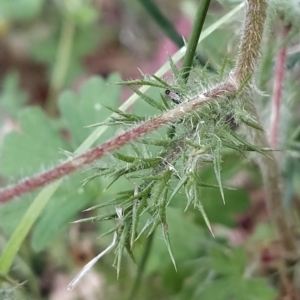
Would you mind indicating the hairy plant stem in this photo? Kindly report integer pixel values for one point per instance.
(251, 40)
(114, 144)
(48, 192)
(245, 66)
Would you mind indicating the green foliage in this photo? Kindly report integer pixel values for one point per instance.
(20, 10)
(220, 273)
(175, 166)
(179, 175)
(81, 12)
(20, 153)
(41, 137)
(11, 97)
(7, 294)
(45, 51)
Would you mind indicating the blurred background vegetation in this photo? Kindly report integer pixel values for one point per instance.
(58, 61)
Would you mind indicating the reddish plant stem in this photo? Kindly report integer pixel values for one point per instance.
(114, 144)
(277, 87)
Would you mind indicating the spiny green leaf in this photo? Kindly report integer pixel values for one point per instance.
(124, 157)
(162, 186)
(168, 244)
(156, 142)
(250, 122)
(126, 192)
(116, 177)
(112, 230)
(126, 198)
(113, 121)
(146, 226)
(233, 146)
(142, 82)
(210, 185)
(127, 119)
(97, 218)
(149, 100)
(163, 205)
(194, 145)
(189, 194)
(142, 160)
(243, 84)
(165, 102)
(115, 201)
(136, 150)
(145, 192)
(135, 218)
(88, 179)
(223, 66)
(147, 178)
(171, 131)
(134, 222)
(136, 166)
(123, 239)
(160, 80)
(156, 221)
(217, 169)
(246, 143)
(198, 204)
(181, 182)
(175, 71)
(118, 111)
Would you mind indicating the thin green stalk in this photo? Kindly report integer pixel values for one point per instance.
(193, 42)
(170, 31)
(61, 64)
(141, 267)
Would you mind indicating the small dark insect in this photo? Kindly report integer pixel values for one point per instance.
(174, 96)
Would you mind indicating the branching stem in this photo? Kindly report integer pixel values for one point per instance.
(114, 144)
